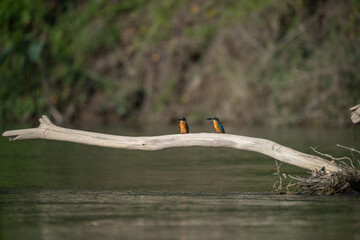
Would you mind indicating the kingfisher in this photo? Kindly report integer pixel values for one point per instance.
(184, 127)
(217, 125)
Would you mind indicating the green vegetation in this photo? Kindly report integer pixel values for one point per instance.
(262, 62)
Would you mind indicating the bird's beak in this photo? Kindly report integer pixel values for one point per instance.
(209, 119)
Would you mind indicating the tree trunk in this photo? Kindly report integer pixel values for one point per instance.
(47, 130)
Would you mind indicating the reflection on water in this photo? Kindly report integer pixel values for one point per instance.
(59, 190)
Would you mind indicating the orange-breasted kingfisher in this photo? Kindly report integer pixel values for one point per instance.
(184, 127)
(217, 125)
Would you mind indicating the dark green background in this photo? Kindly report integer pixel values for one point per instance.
(251, 62)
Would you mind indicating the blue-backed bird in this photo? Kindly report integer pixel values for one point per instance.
(217, 125)
(184, 127)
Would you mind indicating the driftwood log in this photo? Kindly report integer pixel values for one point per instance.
(47, 130)
(355, 114)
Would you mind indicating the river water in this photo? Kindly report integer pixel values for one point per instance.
(59, 190)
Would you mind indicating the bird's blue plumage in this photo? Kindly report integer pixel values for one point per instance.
(220, 126)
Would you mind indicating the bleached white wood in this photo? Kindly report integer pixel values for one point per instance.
(355, 114)
(47, 130)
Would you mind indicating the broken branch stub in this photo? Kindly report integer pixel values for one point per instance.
(355, 114)
(47, 130)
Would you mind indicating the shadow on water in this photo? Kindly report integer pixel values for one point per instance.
(63, 190)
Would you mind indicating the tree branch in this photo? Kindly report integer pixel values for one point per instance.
(351, 149)
(47, 130)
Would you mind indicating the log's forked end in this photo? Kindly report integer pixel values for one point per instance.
(13, 138)
(11, 135)
(8, 133)
(45, 124)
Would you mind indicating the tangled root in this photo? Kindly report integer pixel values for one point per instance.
(321, 183)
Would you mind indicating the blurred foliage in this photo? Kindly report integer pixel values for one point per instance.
(130, 58)
(45, 50)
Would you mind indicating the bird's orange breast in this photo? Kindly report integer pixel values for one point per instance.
(183, 128)
(216, 126)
